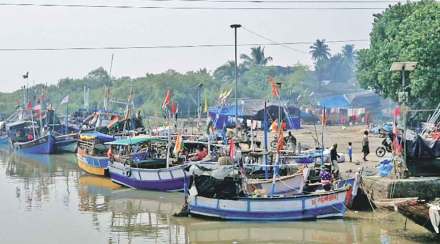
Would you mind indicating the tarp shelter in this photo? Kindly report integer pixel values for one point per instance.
(253, 109)
(423, 156)
(339, 101)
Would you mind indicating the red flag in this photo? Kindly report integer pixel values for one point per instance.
(29, 106)
(275, 88)
(173, 108)
(231, 149)
(167, 99)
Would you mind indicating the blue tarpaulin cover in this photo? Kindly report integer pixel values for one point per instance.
(334, 102)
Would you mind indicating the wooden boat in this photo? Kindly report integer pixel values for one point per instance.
(66, 143)
(419, 212)
(92, 153)
(163, 179)
(143, 165)
(145, 168)
(42, 145)
(289, 184)
(220, 193)
(312, 206)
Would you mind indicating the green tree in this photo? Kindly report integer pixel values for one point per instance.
(320, 50)
(256, 58)
(320, 54)
(404, 32)
(226, 72)
(348, 53)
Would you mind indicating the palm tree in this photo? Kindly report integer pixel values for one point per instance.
(320, 50)
(348, 53)
(225, 72)
(257, 57)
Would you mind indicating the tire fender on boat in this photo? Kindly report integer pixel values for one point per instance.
(128, 172)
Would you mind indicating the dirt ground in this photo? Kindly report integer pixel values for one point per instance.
(341, 135)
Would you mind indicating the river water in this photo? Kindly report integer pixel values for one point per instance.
(48, 199)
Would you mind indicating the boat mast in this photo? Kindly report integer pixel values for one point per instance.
(266, 173)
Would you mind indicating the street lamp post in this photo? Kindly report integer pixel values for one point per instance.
(235, 27)
(199, 101)
(402, 67)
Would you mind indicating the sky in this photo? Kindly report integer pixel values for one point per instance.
(59, 27)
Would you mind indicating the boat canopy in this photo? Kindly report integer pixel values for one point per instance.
(21, 123)
(135, 140)
(96, 135)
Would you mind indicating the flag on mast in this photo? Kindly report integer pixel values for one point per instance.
(275, 89)
(65, 100)
(173, 108)
(167, 100)
(178, 145)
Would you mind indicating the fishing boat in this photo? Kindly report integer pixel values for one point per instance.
(143, 165)
(25, 137)
(4, 139)
(66, 143)
(92, 153)
(232, 202)
(423, 213)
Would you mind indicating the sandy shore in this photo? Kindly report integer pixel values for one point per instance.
(341, 135)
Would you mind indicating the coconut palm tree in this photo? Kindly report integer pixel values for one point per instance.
(226, 72)
(348, 53)
(257, 57)
(320, 50)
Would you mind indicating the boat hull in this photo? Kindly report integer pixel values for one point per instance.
(164, 179)
(292, 184)
(43, 145)
(93, 165)
(4, 140)
(315, 206)
(66, 145)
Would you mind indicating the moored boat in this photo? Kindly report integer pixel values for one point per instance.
(314, 206)
(66, 143)
(92, 153)
(422, 213)
(223, 193)
(140, 162)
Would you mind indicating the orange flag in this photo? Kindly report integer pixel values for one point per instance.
(280, 143)
(178, 146)
(275, 89)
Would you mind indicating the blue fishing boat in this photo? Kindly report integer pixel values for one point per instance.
(219, 193)
(66, 143)
(41, 145)
(4, 139)
(92, 153)
(140, 163)
(26, 137)
(302, 207)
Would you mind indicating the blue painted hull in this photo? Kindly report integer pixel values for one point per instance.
(164, 179)
(153, 185)
(69, 145)
(93, 164)
(304, 207)
(43, 145)
(4, 140)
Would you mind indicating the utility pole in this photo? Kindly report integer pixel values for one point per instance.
(235, 27)
(199, 101)
(402, 67)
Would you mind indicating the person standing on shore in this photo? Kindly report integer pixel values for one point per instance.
(334, 160)
(365, 145)
(350, 152)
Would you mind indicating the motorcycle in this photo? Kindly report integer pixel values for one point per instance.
(384, 148)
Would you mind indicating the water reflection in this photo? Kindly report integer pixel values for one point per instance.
(52, 189)
(35, 174)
